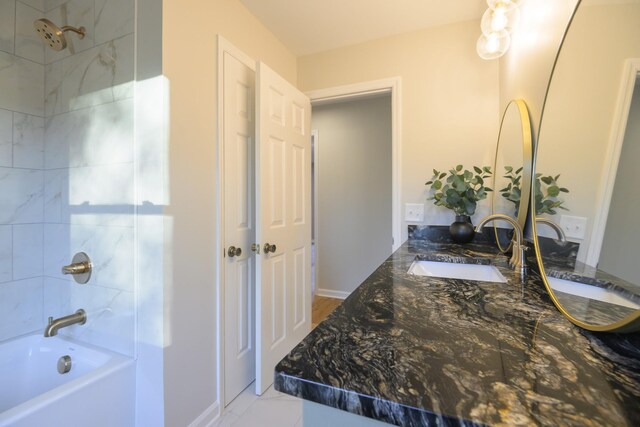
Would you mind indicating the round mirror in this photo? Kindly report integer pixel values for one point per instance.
(512, 170)
(585, 202)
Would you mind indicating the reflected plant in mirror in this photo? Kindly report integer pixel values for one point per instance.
(547, 193)
(460, 190)
(512, 192)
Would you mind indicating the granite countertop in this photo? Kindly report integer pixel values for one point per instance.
(414, 350)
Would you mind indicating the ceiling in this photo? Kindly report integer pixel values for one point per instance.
(311, 26)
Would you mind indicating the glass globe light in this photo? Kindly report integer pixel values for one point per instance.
(506, 4)
(496, 20)
(494, 45)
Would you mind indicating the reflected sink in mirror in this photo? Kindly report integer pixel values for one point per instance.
(591, 292)
(477, 272)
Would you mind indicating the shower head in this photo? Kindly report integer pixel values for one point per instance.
(53, 35)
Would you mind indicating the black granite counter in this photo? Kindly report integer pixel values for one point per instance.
(414, 350)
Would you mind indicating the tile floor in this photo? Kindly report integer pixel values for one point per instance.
(272, 409)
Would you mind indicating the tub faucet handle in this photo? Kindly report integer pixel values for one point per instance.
(80, 268)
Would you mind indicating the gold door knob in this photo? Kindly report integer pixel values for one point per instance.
(255, 247)
(233, 251)
(269, 248)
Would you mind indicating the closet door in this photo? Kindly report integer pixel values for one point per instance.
(239, 226)
(283, 226)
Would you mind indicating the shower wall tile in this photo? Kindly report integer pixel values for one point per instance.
(28, 141)
(91, 136)
(76, 13)
(27, 251)
(6, 138)
(21, 196)
(28, 44)
(21, 85)
(6, 253)
(110, 313)
(113, 19)
(93, 77)
(111, 251)
(7, 25)
(52, 4)
(21, 307)
(56, 196)
(37, 4)
(96, 195)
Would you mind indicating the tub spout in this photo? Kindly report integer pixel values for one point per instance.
(79, 317)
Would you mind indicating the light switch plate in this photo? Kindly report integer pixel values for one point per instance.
(414, 212)
(574, 227)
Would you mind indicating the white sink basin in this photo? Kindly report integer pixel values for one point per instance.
(591, 292)
(477, 272)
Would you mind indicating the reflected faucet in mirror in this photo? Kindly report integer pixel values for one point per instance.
(561, 236)
(518, 260)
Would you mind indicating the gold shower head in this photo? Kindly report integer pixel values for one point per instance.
(53, 35)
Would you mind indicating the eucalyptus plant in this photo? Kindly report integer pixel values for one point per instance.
(547, 191)
(460, 189)
(512, 192)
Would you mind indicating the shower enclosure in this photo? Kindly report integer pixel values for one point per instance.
(67, 167)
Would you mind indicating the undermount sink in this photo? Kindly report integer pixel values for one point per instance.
(477, 272)
(591, 292)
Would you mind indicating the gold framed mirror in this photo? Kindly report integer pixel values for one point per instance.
(512, 170)
(585, 200)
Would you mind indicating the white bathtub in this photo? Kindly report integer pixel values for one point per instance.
(99, 390)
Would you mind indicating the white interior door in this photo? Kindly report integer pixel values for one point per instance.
(239, 226)
(283, 206)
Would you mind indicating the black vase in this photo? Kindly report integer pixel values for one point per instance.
(462, 230)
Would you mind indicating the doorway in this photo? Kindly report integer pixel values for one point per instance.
(353, 169)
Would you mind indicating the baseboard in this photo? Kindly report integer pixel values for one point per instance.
(208, 417)
(329, 293)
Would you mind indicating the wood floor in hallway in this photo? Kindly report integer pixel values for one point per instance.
(322, 307)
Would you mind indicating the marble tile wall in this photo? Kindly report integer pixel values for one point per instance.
(66, 169)
(21, 169)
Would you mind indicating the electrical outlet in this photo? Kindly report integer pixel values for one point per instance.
(574, 227)
(414, 212)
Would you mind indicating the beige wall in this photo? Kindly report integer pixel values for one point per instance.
(354, 191)
(449, 95)
(526, 67)
(190, 66)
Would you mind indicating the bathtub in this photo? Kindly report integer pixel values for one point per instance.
(99, 390)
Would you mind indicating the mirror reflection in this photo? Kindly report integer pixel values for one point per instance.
(512, 170)
(585, 197)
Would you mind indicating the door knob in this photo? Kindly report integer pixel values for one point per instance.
(255, 247)
(269, 248)
(233, 251)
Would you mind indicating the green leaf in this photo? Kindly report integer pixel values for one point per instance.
(477, 169)
(519, 170)
(428, 183)
(442, 175)
(564, 190)
(435, 172)
(459, 168)
(553, 191)
(547, 180)
(508, 168)
(437, 185)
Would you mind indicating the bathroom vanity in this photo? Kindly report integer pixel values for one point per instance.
(415, 350)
